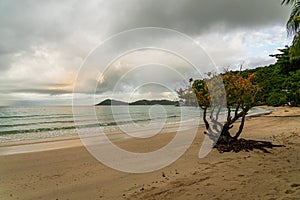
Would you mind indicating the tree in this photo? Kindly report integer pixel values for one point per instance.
(285, 81)
(240, 93)
(187, 95)
(284, 60)
(292, 84)
(295, 50)
(293, 21)
(293, 28)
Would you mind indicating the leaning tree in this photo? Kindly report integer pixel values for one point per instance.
(220, 117)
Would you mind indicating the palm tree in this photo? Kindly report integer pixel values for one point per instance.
(293, 22)
(294, 52)
(293, 29)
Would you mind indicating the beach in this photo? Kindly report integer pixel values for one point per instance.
(71, 172)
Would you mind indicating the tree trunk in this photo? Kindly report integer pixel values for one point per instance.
(225, 137)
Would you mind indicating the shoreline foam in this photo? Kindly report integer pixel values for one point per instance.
(60, 142)
(72, 173)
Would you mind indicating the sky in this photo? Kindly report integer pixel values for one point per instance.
(45, 45)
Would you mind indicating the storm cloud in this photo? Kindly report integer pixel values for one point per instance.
(44, 43)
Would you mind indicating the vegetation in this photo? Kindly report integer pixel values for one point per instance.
(240, 91)
(109, 102)
(279, 83)
(241, 94)
(154, 102)
(274, 85)
(293, 28)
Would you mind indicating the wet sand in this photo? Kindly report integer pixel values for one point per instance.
(72, 173)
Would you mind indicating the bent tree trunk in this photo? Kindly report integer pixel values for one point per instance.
(225, 136)
(232, 90)
(227, 141)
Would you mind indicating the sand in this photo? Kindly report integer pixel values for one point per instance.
(72, 173)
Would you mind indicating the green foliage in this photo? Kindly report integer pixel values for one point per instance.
(293, 22)
(201, 90)
(277, 99)
(240, 91)
(279, 83)
(283, 60)
(294, 52)
(293, 29)
(287, 2)
(292, 84)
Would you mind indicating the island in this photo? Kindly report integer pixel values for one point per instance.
(108, 102)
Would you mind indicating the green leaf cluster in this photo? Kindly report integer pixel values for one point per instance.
(279, 83)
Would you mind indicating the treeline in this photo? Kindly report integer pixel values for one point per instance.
(279, 83)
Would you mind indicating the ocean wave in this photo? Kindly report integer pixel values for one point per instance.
(45, 129)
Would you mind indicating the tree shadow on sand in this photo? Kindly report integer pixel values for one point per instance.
(246, 145)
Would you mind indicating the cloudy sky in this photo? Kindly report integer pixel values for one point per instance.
(45, 43)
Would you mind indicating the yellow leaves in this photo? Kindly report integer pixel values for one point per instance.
(201, 90)
(239, 90)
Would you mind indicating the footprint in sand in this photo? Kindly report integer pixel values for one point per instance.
(295, 185)
(289, 191)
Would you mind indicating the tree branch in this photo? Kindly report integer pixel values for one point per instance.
(239, 115)
(212, 113)
(228, 113)
(204, 118)
(237, 135)
(236, 110)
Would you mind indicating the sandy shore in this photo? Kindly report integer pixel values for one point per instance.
(72, 173)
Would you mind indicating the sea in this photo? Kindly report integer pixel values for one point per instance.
(43, 122)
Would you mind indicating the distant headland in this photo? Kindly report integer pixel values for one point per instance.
(108, 102)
